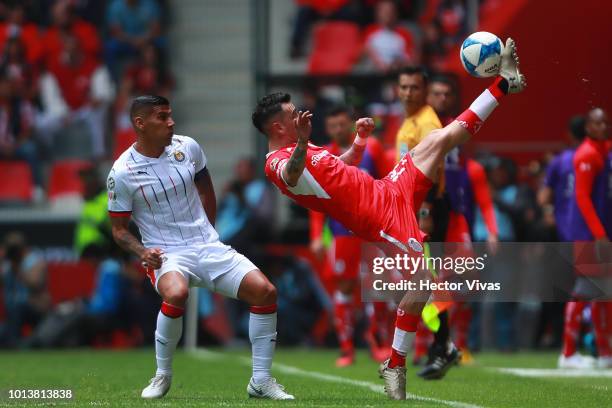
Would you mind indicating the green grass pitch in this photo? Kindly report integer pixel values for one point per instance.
(219, 378)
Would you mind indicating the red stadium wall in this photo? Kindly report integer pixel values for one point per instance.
(566, 52)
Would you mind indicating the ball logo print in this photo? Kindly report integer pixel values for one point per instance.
(110, 183)
(480, 54)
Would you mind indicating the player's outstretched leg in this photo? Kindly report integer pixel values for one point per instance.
(174, 291)
(429, 154)
(257, 291)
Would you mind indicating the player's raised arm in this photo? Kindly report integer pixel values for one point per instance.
(206, 191)
(352, 156)
(296, 163)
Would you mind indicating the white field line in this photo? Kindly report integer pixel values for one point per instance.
(555, 372)
(291, 370)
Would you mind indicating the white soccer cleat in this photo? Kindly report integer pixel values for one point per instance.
(269, 389)
(604, 362)
(576, 361)
(395, 380)
(158, 387)
(509, 69)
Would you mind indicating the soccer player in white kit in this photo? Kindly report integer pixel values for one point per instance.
(162, 183)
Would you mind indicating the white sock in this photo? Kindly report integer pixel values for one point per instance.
(262, 333)
(484, 105)
(167, 336)
(402, 341)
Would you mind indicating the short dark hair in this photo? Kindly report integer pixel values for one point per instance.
(143, 103)
(576, 127)
(267, 107)
(414, 70)
(338, 110)
(442, 79)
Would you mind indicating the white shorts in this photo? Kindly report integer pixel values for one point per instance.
(215, 266)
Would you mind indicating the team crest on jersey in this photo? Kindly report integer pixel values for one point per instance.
(179, 156)
(110, 183)
(415, 245)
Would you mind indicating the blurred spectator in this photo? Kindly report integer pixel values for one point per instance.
(301, 298)
(149, 75)
(388, 45)
(452, 17)
(23, 273)
(247, 208)
(513, 203)
(93, 227)
(131, 25)
(442, 97)
(92, 11)
(318, 104)
(309, 11)
(16, 26)
(16, 125)
(23, 75)
(67, 23)
(76, 89)
(434, 50)
(81, 321)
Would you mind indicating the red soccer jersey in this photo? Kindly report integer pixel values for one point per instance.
(375, 210)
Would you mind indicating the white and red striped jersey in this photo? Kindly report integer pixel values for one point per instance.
(161, 196)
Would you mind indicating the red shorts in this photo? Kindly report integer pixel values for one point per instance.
(346, 256)
(405, 189)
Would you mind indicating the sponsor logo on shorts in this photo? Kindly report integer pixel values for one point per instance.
(415, 245)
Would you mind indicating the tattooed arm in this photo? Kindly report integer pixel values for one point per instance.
(352, 156)
(296, 163)
(127, 241)
(206, 191)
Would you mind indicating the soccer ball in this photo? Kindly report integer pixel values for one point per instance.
(481, 54)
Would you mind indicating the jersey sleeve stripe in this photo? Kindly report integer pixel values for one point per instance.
(118, 214)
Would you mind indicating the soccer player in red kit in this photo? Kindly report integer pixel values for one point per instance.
(375, 210)
(589, 221)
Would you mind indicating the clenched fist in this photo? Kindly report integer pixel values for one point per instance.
(364, 127)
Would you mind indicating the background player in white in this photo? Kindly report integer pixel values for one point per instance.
(162, 183)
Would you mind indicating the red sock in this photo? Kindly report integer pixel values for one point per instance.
(473, 118)
(571, 330)
(405, 327)
(343, 320)
(397, 360)
(599, 313)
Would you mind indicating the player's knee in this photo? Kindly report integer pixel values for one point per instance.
(267, 294)
(177, 295)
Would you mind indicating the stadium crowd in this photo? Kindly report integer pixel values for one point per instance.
(66, 79)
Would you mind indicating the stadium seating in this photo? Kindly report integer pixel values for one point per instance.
(17, 182)
(65, 179)
(123, 140)
(67, 281)
(336, 48)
